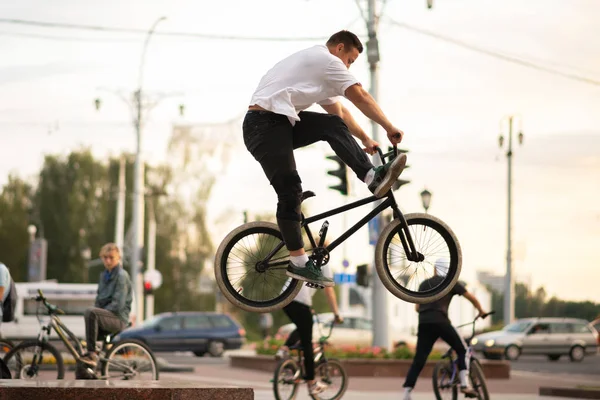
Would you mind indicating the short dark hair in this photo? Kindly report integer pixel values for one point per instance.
(348, 38)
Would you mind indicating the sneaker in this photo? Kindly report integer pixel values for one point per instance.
(309, 273)
(386, 175)
(468, 392)
(281, 354)
(316, 388)
(90, 360)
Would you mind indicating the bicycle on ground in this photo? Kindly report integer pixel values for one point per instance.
(289, 372)
(251, 261)
(39, 359)
(445, 379)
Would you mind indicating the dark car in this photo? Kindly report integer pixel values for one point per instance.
(198, 332)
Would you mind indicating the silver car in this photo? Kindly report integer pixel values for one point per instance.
(553, 337)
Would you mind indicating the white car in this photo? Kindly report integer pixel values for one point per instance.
(356, 330)
(552, 337)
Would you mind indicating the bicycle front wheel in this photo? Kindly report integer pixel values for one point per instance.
(33, 359)
(286, 379)
(441, 256)
(478, 380)
(444, 384)
(250, 268)
(130, 359)
(331, 373)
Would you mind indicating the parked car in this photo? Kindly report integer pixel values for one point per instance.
(553, 337)
(198, 332)
(596, 324)
(354, 331)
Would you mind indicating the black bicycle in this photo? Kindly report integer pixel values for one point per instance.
(445, 373)
(32, 359)
(250, 263)
(289, 372)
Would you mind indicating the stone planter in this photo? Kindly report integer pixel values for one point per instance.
(373, 367)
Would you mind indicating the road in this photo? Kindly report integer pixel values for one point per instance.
(589, 366)
(216, 372)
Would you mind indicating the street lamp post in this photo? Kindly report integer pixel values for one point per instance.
(509, 297)
(426, 199)
(137, 222)
(137, 237)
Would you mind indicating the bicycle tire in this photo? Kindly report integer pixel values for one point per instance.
(280, 366)
(476, 370)
(344, 386)
(124, 342)
(15, 352)
(224, 284)
(440, 367)
(454, 267)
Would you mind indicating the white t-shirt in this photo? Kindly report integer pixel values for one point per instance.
(306, 294)
(309, 76)
(4, 281)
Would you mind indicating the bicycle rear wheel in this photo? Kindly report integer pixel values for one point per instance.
(285, 381)
(444, 387)
(247, 276)
(438, 245)
(130, 359)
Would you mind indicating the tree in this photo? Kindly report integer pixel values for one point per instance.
(72, 203)
(15, 206)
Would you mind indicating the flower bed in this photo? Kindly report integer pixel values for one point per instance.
(269, 348)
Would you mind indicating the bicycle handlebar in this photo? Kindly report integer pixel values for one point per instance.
(52, 309)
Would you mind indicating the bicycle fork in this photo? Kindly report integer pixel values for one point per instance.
(405, 237)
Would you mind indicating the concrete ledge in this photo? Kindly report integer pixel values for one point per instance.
(117, 390)
(572, 393)
(373, 367)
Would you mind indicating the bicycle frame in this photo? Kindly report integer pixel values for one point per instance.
(62, 331)
(469, 352)
(390, 201)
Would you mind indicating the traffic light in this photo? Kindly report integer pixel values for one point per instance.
(362, 275)
(147, 288)
(399, 182)
(342, 173)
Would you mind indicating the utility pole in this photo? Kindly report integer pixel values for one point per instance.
(380, 312)
(509, 284)
(120, 217)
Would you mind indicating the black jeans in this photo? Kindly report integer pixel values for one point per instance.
(100, 320)
(271, 139)
(301, 316)
(426, 338)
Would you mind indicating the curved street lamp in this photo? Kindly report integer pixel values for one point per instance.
(426, 199)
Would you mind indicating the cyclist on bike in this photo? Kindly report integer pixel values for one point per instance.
(276, 124)
(433, 324)
(300, 312)
(110, 313)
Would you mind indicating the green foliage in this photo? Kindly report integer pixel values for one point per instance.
(15, 204)
(529, 303)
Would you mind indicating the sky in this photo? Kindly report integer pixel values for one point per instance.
(449, 100)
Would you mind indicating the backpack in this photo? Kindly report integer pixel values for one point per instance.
(8, 307)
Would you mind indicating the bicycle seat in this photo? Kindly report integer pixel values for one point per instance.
(307, 194)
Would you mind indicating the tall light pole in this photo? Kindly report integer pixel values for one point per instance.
(137, 232)
(509, 296)
(137, 221)
(379, 305)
